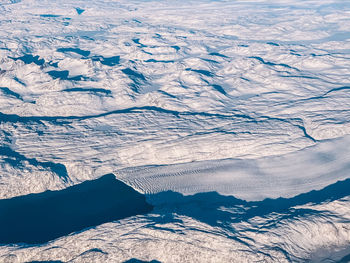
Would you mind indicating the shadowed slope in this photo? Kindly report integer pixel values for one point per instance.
(38, 218)
(207, 207)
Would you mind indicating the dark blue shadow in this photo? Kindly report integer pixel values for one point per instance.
(91, 90)
(110, 61)
(219, 88)
(59, 74)
(206, 207)
(272, 44)
(159, 61)
(134, 75)
(217, 54)
(201, 71)
(19, 81)
(345, 259)
(63, 75)
(135, 260)
(177, 48)
(273, 64)
(137, 41)
(10, 93)
(28, 59)
(78, 51)
(79, 10)
(49, 15)
(38, 218)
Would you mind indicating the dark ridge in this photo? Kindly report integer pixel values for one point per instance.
(306, 134)
(293, 52)
(146, 52)
(219, 89)
(312, 98)
(298, 76)
(175, 113)
(272, 44)
(11, 93)
(337, 89)
(318, 55)
(16, 159)
(137, 21)
(245, 79)
(39, 218)
(79, 10)
(272, 64)
(88, 38)
(105, 91)
(161, 61)
(206, 207)
(63, 75)
(217, 54)
(167, 94)
(20, 81)
(51, 261)
(110, 61)
(210, 60)
(177, 48)
(201, 71)
(134, 75)
(135, 260)
(94, 250)
(78, 51)
(137, 41)
(28, 59)
(49, 15)
(16, 118)
(299, 124)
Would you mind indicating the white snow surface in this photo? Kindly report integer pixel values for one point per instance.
(249, 99)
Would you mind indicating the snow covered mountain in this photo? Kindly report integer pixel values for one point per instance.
(232, 118)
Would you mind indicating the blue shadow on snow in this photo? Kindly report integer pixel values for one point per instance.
(207, 207)
(39, 218)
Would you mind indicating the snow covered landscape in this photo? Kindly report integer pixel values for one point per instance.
(218, 131)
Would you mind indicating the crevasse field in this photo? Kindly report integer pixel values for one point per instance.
(231, 117)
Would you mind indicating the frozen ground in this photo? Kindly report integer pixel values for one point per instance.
(207, 107)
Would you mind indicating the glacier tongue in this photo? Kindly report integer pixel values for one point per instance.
(250, 179)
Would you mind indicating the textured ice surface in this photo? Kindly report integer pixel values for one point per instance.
(250, 99)
(253, 179)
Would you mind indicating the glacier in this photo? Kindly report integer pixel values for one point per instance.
(231, 118)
